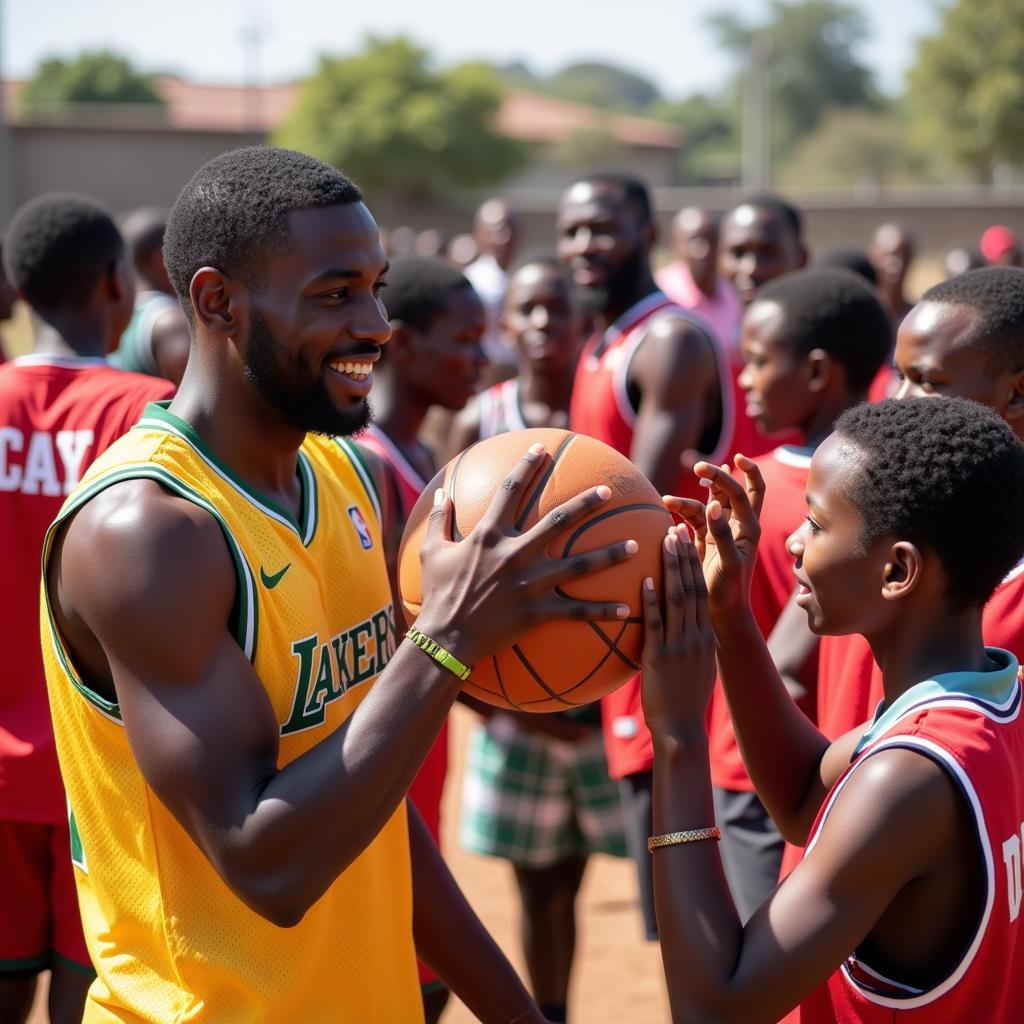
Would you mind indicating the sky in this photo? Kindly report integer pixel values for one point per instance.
(205, 39)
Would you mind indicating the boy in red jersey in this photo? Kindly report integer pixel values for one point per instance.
(907, 904)
(811, 341)
(434, 358)
(653, 384)
(59, 408)
(965, 337)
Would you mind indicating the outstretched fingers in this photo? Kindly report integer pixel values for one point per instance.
(508, 498)
(567, 515)
(742, 500)
(552, 571)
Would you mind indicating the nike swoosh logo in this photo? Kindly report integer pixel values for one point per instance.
(272, 581)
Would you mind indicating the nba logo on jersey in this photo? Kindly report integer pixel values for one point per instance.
(361, 528)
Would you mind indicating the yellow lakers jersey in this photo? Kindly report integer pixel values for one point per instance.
(169, 940)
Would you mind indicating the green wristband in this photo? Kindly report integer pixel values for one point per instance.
(438, 653)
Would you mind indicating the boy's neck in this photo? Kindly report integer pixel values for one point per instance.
(822, 421)
(929, 645)
(551, 390)
(69, 337)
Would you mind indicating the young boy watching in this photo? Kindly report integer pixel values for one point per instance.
(812, 342)
(908, 901)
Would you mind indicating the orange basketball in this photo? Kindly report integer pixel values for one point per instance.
(561, 664)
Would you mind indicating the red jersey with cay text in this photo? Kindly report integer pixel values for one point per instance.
(57, 414)
(601, 407)
(971, 726)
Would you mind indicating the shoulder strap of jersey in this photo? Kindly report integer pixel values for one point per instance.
(358, 463)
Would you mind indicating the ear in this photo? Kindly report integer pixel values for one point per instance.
(821, 370)
(119, 282)
(403, 336)
(903, 571)
(804, 255)
(1013, 408)
(219, 302)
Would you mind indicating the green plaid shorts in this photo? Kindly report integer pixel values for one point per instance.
(536, 800)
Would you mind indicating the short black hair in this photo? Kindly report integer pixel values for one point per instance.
(235, 210)
(634, 191)
(57, 249)
(418, 288)
(143, 232)
(836, 311)
(849, 257)
(996, 294)
(925, 464)
(785, 210)
(541, 256)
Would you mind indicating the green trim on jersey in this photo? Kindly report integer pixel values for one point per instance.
(246, 628)
(158, 417)
(77, 849)
(358, 461)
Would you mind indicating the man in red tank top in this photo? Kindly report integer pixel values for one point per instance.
(434, 358)
(812, 342)
(59, 408)
(652, 383)
(907, 904)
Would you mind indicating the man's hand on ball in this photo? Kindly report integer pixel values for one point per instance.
(485, 591)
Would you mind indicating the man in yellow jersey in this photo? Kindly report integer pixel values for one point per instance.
(235, 724)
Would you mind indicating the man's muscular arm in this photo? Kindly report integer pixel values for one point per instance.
(142, 586)
(674, 369)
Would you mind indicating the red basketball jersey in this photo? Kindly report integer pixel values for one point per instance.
(57, 414)
(601, 407)
(785, 505)
(969, 724)
(850, 683)
(428, 786)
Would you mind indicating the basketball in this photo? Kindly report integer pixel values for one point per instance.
(560, 664)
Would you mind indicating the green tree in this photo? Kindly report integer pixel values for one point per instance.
(966, 89)
(711, 147)
(604, 85)
(95, 77)
(810, 48)
(853, 147)
(397, 125)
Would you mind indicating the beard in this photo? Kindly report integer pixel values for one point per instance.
(303, 405)
(618, 290)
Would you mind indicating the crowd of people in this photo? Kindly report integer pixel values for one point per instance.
(209, 727)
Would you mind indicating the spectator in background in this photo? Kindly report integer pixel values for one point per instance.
(762, 239)
(7, 298)
(156, 341)
(959, 261)
(462, 251)
(1001, 247)
(430, 244)
(692, 279)
(849, 257)
(891, 252)
(496, 232)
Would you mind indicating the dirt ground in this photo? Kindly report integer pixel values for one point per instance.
(617, 976)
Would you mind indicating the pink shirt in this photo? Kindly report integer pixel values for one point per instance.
(722, 313)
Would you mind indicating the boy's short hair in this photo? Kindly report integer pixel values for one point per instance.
(234, 211)
(543, 257)
(633, 190)
(931, 469)
(418, 288)
(996, 295)
(780, 207)
(57, 248)
(836, 311)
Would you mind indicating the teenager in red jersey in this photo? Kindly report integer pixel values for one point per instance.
(536, 789)
(965, 337)
(59, 408)
(651, 383)
(434, 358)
(761, 239)
(907, 905)
(812, 341)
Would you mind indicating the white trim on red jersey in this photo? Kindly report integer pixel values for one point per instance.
(399, 462)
